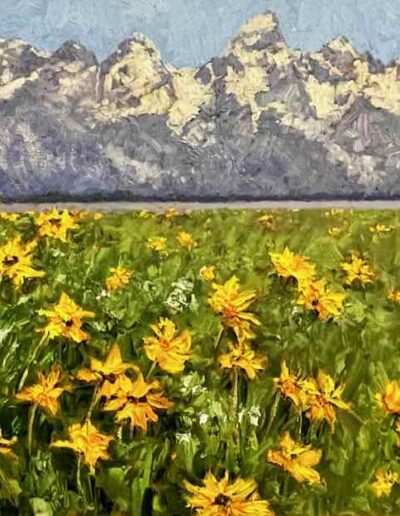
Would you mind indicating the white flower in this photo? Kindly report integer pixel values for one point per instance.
(241, 415)
(254, 415)
(184, 285)
(184, 437)
(203, 418)
(103, 293)
(180, 298)
(176, 301)
(56, 252)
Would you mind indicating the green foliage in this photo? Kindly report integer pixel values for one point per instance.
(145, 473)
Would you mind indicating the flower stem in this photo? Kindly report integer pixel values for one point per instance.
(78, 478)
(24, 376)
(285, 487)
(300, 423)
(92, 403)
(357, 417)
(151, 370)
(219, 337)
(235, 391)
(32, 414)
(274, 410)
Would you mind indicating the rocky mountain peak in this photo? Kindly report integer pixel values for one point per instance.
(132, 53)
(18, 60)
(260, 33)
(72, 51)
(133, 72)
(342, 45)
(261, 24)
(340, 59)
(134, 81)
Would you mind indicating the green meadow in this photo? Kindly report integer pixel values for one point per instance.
(212, 415)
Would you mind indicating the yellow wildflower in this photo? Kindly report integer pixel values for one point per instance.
(136, 401)
(384, 481)
(79, 214)
(113, 365)
(268, 220)
(316, 296)
(394, 296)
(297, 459)
(7, 444)
(186, 240)
(105, 373)
(10, 217)
(66, 320)
(224, 498)
(390, 398)
(207, 273)
(290, 265)
(168, 349)
(90, 444)
(380, 228)
(119, 278)
(334, 211)
(291, 387)
(242, 356)
(171, 213)
(86, 214)
(144, 214)
(55, 224)
(323, 398)
(231, 304)
(358, 270)
(335, 231)
(46, 393)
(319, 397)
(16, 261)
(158, 244)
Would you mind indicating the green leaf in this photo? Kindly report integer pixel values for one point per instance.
(40, 507)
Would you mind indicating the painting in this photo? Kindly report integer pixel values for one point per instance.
(171, 342)
(215, 362)
(227, 105)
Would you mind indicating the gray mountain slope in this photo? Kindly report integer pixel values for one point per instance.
(261, 122)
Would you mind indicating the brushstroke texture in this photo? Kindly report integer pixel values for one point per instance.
(263, 121)
(190, 34)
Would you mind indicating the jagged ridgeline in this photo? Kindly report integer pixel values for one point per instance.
(263, 121)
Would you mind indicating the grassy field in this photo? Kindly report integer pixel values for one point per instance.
(221, 363)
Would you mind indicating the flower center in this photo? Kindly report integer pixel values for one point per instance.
(315, 302)
(10, 260)
(69, 323)
(55, 222)
(230, 312)
(222, 500)
(164, 343)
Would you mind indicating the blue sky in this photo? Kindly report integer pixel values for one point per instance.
(189, 32)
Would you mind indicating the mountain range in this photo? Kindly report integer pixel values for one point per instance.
(262, 121)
